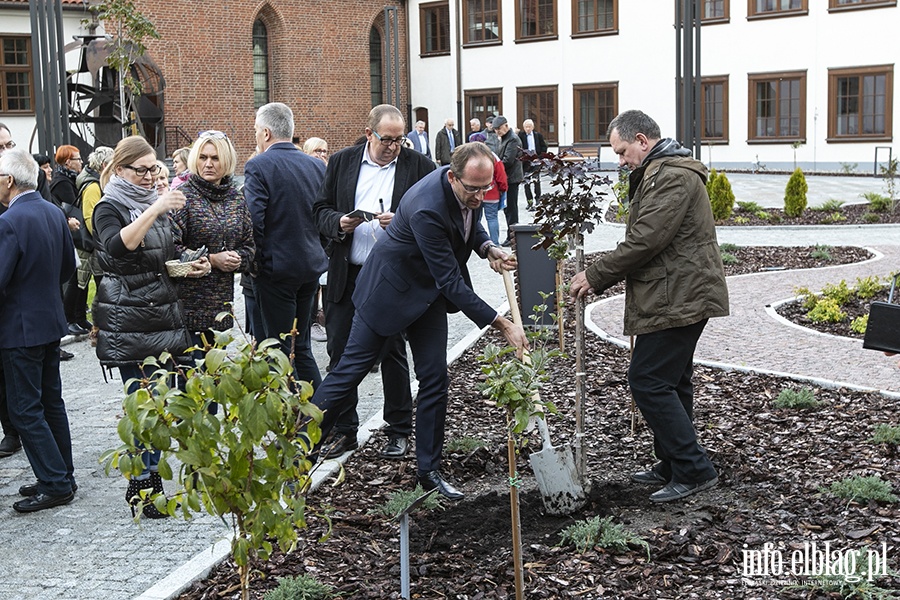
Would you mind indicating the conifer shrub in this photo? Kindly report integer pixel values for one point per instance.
(795, 194)
(721, 197)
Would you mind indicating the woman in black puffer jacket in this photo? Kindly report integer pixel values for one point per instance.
(137, 309)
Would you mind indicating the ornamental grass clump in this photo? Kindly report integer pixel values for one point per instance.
(862, 489)
(791, 398)
(886, 434)
(591, 533)
(795, 194)
(400, 500)
(301, 587)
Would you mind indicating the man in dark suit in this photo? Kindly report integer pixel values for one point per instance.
(37, 256)
(280, 185)
(532, 141)
(415, 275)
(11, 442)
(419, 138)
(371, 177)
(445, 142)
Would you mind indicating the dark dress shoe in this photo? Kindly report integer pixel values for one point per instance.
(32, 488)
(85, 324)
(339, 444)
(65, 355)
(10, 445)
(397, 447)
(433, 479)
(42, 501)
(76, 329)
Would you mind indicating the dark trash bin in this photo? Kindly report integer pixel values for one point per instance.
(536, 273)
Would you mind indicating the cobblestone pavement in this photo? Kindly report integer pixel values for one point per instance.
(91, 549)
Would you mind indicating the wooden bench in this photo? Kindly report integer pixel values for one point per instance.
(590, 152)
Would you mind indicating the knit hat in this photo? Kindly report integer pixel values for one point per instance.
(477, 137)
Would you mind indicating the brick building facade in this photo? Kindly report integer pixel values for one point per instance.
(319, 59)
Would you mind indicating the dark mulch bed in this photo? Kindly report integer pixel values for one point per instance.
(848, 214)
(772, 463)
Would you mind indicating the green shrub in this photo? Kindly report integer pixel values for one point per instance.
(301, 587)
(401, 499)
(749, 207)
(821, 252)
(761, 214)
(710, 179)
(727, 247)
(808, 299)
(877, 202)
(859, 324)
(721, 197)
(870, 217)
(773, 217)
(886, 434)
(589, 533)
(862, 488)
(741, 220)
(795, 194)
(848, 168)
(790, 398)
(826, 310)
(839, 292)
(834, 217)
(868, 287)
(830, 205)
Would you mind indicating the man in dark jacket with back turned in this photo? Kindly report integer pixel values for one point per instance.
(280, 184)
(674, 283)
(509, 154)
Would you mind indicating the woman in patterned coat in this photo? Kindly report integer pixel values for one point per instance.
(216, 216)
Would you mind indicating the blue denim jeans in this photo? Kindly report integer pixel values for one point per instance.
(37, 411)
(493, 224)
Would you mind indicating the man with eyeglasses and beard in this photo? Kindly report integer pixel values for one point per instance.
(370, 177)
(415, 276)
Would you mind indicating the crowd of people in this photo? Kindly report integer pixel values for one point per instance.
(379, 234)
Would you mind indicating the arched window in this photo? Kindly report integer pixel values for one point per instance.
(260, 64)
(375, 67)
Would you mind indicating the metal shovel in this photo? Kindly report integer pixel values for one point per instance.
(554, 467)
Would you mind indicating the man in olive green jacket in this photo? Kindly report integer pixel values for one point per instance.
(674, 283)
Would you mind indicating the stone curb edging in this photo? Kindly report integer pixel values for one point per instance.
(203, 562)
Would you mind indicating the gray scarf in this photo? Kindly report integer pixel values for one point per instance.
(666, 147)
(133, 197)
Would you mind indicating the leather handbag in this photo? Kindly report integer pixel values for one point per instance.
(883, 328)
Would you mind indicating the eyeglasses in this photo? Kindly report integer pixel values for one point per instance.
(78, 158)
(472, 189)
(8, 145)
(323, 150)
(212, 133)
(388, 141)
(142, 171)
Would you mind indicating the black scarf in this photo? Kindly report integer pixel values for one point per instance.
(665, 147)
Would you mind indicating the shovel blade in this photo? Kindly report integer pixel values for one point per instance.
(557, 479)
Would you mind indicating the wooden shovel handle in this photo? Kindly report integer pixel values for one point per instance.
(511, 296)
